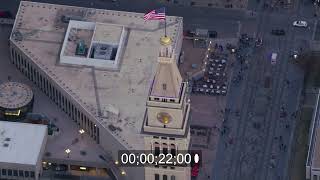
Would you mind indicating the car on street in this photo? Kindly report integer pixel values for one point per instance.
(300, 24)
(295, 54)
(212, 34)
(274, 58)
(278, 32)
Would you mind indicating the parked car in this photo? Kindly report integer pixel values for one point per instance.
(5, 14)
(300, 24)
(278, 32)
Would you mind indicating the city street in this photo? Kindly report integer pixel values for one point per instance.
(261, 117)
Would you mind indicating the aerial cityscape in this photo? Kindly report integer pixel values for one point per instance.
(160, 90)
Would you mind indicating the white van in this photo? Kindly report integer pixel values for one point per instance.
(274, 58)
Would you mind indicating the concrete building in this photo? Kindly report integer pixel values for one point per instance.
(313, 158)
(22, 148)
(98, 66)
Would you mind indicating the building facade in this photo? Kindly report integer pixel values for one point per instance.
(313, 158)
(21, 160)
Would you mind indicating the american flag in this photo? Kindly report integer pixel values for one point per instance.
(156, 14)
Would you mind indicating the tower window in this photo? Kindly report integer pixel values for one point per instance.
(156, 177)
(164, 86)
(173, 177)
(156, 149)
(172, 149)
(165, 177)
(165, 148)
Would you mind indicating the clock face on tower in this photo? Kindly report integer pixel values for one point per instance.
(164, 117)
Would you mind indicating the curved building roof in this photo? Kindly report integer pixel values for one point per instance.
(14, 95)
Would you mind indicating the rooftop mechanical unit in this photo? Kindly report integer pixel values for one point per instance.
(104, 51)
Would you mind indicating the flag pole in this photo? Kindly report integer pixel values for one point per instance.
(165, 27)
(165, 23)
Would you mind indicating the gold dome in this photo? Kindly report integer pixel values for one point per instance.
(165, 40)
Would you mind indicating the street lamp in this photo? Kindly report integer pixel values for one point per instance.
(81, 131)
(123, 173)
(68, 151)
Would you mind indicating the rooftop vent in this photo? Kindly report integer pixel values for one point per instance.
(5, 145)
(112, 127)
(67, 18)
(17, 36)
(104, 51)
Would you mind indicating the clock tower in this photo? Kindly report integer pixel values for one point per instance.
(166, 123)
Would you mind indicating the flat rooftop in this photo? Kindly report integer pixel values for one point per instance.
(107, 33)
(122, 94)
(15, 141)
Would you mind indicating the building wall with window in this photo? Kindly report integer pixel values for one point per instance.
(13, 171)
(18, 159)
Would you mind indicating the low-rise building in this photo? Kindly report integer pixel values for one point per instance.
(22, 147)
(313, 158)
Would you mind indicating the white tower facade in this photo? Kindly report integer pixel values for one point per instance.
(166, 126)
